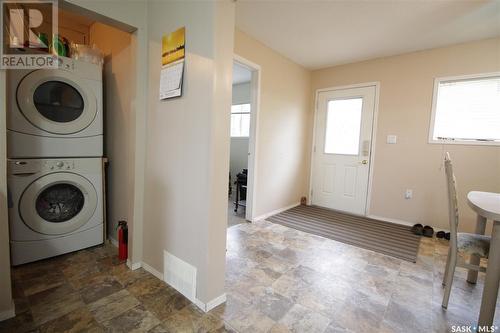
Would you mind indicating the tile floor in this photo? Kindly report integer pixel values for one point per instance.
(277, 280)
(234, 218)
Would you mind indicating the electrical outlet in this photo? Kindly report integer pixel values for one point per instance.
(408, 194)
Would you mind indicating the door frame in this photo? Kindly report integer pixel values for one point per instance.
(255, 69)
(375, 84)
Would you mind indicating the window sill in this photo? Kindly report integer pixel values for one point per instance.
(465, 142)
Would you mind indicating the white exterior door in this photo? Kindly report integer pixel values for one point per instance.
(341, 157)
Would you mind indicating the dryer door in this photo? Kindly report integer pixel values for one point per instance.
(58, 203)
(56, 101)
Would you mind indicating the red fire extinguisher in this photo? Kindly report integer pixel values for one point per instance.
(122, 240)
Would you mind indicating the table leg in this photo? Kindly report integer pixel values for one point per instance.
(474, 259)
(490, 291)
(237, 197)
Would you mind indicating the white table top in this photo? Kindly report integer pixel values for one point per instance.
(486, 204)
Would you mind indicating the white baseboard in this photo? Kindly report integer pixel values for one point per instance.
(216, 302)
(202, 306)
(9, 313)
(205, 307)
(274, 212)
(151, 270)
(133, 266)
(390, 220)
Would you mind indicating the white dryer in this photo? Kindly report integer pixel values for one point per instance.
(55, 112)
(55, 206)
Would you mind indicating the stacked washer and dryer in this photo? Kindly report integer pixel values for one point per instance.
(54, 150)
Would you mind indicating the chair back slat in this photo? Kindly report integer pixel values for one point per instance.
(452, 200)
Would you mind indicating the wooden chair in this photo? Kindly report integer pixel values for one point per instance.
(463, 243)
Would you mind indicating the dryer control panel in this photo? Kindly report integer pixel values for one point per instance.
(57, 165)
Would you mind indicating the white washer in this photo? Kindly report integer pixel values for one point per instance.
(55, 206)
(55, 112)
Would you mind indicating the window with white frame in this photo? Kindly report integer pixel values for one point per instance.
(466, 110)
(240, 120)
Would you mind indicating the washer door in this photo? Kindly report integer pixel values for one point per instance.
(56, 101)
(58, 203)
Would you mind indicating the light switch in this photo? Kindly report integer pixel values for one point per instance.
(392, 139)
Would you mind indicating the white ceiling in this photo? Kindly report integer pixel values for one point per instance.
(241, 74)
(317, 34)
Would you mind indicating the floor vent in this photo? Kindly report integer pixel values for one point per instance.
(180, 275)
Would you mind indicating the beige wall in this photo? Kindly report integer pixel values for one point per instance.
(283, 125)
(185, 208)
(406, 86)
(118, 141)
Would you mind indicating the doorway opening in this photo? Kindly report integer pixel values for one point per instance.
(115, 43)
(244, 107)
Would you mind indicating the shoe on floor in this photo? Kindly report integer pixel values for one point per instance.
(418, 229)
(428, 231)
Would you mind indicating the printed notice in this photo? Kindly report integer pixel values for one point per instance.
(172, 60)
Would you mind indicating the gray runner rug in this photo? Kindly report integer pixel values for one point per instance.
(384, 237)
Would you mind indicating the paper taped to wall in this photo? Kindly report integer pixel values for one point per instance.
(171, 80)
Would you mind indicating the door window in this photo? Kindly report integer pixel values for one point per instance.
(58, 101)
(59, 203)
(343, 126)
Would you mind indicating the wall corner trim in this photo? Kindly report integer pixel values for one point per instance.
(133, 266)
(274, 212)
(11, 312)
(205, 307)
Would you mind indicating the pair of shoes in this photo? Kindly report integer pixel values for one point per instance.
(443, 234)
(420, 230)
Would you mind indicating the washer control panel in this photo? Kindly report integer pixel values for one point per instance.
(27, 167)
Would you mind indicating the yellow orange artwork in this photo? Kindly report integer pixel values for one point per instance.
(173, 46)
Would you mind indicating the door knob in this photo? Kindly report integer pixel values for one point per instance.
(364, 162)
